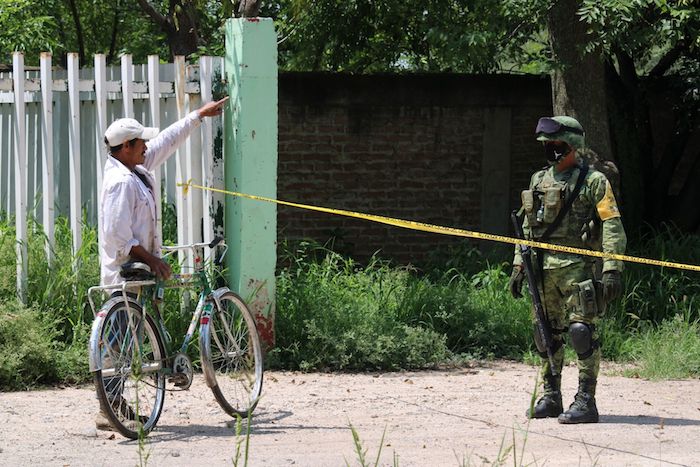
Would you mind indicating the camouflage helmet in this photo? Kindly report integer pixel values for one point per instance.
(561, 128)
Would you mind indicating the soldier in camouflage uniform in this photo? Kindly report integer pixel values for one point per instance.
(570, 286)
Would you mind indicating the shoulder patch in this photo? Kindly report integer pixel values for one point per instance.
(607, 207)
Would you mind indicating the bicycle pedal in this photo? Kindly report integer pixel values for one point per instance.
(180, 380)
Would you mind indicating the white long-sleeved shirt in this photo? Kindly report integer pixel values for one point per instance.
(128, 207)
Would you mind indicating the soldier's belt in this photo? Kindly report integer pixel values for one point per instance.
(450, 230)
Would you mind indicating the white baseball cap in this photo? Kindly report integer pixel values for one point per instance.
(126, 129)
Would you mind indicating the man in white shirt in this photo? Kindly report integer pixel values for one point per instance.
(128, 207)
(129, 231)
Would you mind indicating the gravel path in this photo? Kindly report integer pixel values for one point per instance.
(467, 416)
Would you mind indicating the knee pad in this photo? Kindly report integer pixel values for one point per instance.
(581, 335)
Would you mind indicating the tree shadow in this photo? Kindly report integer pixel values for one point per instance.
(648, 420)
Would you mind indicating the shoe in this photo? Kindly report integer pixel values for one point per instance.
(548, 406)
(583, 410)
(102, 422)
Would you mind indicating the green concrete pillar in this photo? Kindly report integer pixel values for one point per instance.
(250, 165)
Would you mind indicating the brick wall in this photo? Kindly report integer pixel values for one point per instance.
(406, 146)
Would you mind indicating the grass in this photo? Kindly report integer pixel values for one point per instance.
(349, 318)
(669, 351)
(361, 452)
(334, 313)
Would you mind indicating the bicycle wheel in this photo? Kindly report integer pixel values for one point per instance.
(232, 358)
(130, 384)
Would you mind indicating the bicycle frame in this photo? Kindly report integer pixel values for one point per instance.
(201, 313)
(131, 352)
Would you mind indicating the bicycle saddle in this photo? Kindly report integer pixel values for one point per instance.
(135, 271)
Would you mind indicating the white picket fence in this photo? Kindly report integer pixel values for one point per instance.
(52, 152)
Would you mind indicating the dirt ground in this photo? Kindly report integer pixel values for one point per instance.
(456, 417)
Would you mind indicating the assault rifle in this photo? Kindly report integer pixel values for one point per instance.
(542, 324)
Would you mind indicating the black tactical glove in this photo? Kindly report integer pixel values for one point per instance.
(515, 285)
(612, 285)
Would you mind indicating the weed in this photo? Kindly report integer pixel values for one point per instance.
(242, 441)
(362, 452)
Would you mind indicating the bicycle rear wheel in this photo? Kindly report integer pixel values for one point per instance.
(130, 383)
(232, 358)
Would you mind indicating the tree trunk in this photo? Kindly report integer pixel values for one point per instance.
(596, 97)
(249, 8)
(578, 84)
(78, 30)
(180, 25)
(115, 31)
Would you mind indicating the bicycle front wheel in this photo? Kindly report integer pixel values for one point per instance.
(232, 358)
(130, 383)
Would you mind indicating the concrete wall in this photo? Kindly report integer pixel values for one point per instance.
(453, 150)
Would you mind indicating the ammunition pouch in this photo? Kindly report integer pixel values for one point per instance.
(543, 207)
(590, 298)
(527, 197)
(552, 198)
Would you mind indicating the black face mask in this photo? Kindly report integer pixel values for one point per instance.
(555, 151)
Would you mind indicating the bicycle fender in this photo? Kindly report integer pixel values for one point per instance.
(93, 352)
(218, 293)
(94, 360)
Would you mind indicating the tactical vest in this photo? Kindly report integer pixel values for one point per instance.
(580, 227)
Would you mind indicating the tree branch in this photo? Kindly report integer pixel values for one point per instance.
(669, 59)
(115, 30)
(161, 20)
(628, 72)
(78, 29)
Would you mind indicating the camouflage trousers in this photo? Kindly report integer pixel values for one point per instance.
(560, 295)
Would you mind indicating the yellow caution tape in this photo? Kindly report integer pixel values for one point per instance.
(452, 231)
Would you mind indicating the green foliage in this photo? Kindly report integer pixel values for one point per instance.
(474, 313)
(31, 353)
(169, 228)
(645, 29)
(669, 351)
(361, 452)
(110, 28)
(58, 316)
(22, 29)
(334, 314)
(61, 287)
(437, 35)
(652, 294)
(654, 297)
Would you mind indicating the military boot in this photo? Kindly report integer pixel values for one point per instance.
(550, 404)
(583, 409)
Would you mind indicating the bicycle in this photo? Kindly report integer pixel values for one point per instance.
(129, 347)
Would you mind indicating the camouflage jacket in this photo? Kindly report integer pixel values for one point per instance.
(593, 221)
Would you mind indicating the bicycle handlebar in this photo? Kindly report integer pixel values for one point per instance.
(218, 241)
